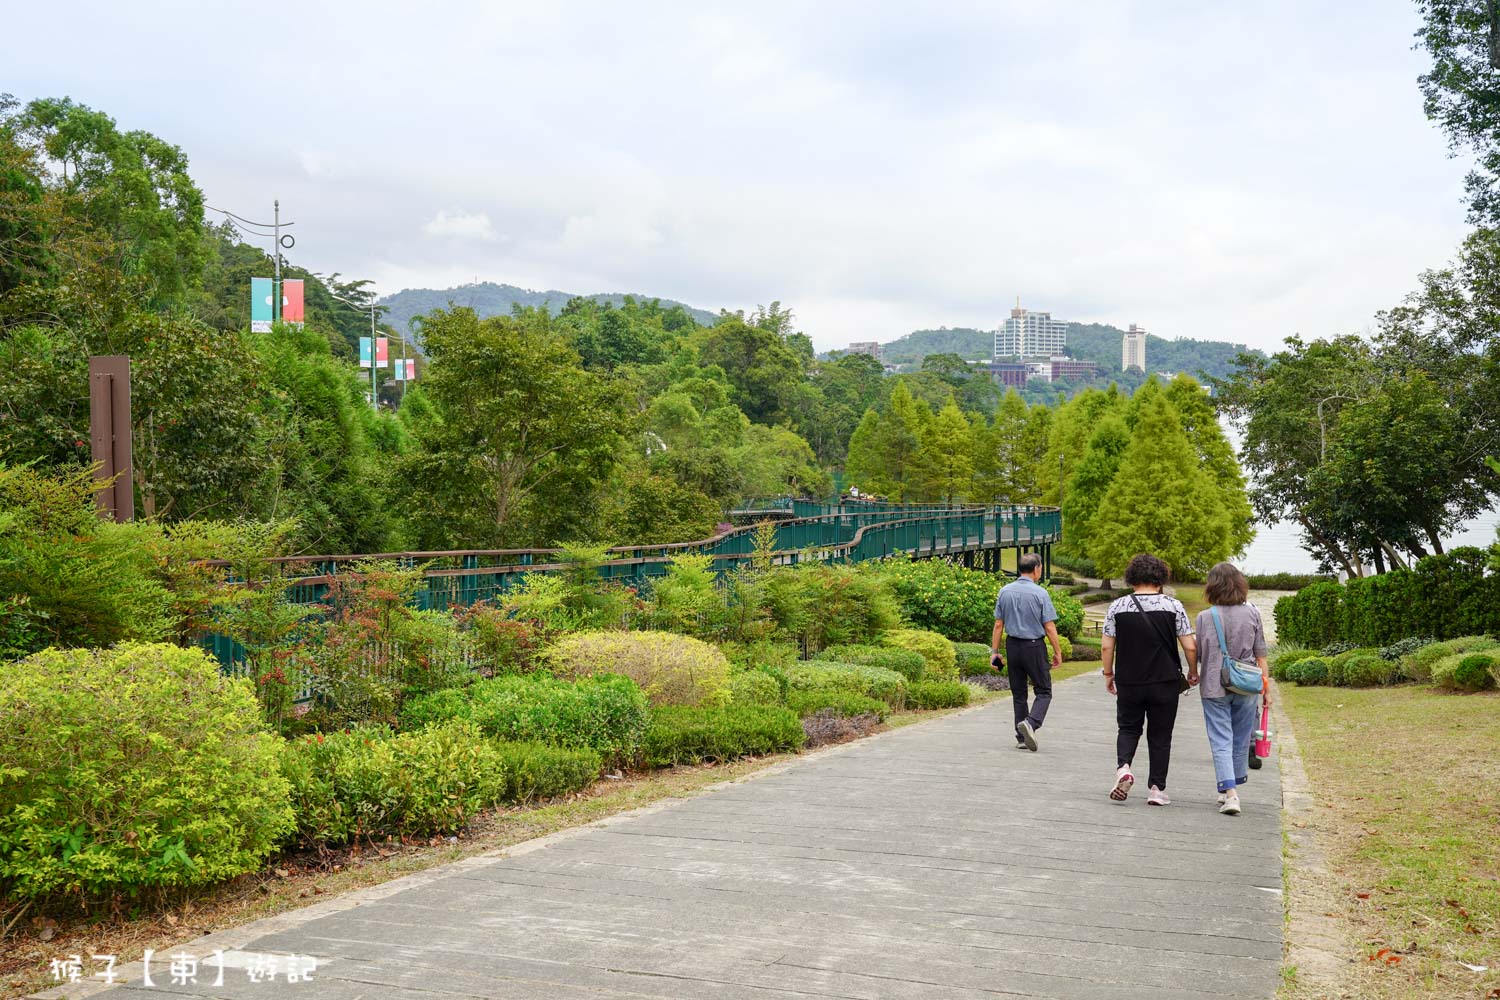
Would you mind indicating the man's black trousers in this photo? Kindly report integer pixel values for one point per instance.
(1026, 663)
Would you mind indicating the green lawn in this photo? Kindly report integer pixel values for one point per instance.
(1410, 777)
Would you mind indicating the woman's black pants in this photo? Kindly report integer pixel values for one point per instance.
(1154, 708)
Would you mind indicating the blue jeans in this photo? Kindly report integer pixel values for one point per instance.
(1231, 722)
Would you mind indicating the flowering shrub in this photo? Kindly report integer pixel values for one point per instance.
(132, 768)
(670, 669)
(905, 662)
(942, 660)
(943, 597)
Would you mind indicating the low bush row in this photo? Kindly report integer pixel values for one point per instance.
(937, 694)
(852, 678)
(1286, 581)
(846, 703)
(606, 713)
(695, 735)
(1466, 663)
(905, 661)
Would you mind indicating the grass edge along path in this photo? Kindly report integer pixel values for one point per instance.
(1398, 842)
(348, 876)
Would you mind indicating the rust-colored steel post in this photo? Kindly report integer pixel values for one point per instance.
(109, 434)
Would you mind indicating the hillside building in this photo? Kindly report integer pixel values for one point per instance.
(870, 347)
(1028, 334)
(1007, 373)
(1133, 349)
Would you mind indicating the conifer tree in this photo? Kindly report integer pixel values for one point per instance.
(1200, 421)
(946, 462)
(1091, 480)
(1160, 501)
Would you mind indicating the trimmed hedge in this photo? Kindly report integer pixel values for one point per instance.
(937, 694)
(369, 782)
(937, 651)
(694, 735)
(754, 687)
(538, 771)
(671, 669)
(1443, 595)
(806, 703)
(1311, 671)
(855, 678)
(906, 662)
(1367, 670)
(607, 714)
(135, 768)
(1466, 671)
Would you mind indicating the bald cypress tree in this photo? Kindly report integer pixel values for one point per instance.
(1160, 501)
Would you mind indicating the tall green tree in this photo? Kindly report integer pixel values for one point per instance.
(1459, 91)
(1200, 421)
(1160, 501)
(519, 439)
(946, 457)
(1091, 480)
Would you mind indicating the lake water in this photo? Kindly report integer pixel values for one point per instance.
(1278, 549)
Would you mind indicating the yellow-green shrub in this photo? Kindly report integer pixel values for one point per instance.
(132, 768)
(754, 687)
(855, 678)
(942, 661)
(670, 669)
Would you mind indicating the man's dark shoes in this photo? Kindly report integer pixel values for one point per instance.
(1027, 734)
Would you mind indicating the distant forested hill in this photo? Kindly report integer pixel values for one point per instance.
(971, 345)
(1096, 342)
(489, 299)
(1100, 343)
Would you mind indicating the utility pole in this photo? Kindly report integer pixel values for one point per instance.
(374, 391)
(279, 242)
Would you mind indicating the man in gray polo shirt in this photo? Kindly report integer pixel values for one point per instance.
(1024, 615)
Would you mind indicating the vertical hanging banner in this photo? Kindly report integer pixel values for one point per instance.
(364, 352)
(260, 305)
(411, 369)
(382, 353)
(291, 301)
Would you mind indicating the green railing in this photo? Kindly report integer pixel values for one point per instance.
(833, 531)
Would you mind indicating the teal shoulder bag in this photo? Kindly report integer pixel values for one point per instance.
(1237, 677)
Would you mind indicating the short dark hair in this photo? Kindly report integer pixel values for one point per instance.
(1147, 569)
(1226, 585)
(1028, 563)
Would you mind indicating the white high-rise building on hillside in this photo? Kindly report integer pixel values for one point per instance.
(1133, 349)
(1030, 335)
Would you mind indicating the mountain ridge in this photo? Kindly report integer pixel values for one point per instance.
(490, 298)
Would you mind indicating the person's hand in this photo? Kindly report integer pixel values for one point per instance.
(997, 661)
(1057, 659)
(1109, 684)
(1192, 678)
(1265, 695)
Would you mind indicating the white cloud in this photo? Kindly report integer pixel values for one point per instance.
(461, 226)
(876, 167)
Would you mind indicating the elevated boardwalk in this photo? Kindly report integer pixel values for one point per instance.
(834, 532)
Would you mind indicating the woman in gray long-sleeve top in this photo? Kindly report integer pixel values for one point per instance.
(1230, 717)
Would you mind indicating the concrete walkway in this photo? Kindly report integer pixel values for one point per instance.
(931, 862)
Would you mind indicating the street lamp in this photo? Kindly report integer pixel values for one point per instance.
(279, 242)
(374, 391)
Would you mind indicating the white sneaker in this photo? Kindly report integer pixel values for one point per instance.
(1220, 799)
(1231, 805)
(1123, 780)
(1157, 797)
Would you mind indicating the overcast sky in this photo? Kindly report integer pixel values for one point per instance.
(1238, 172)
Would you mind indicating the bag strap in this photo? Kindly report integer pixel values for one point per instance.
(1219, 628)
(1171, 646)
